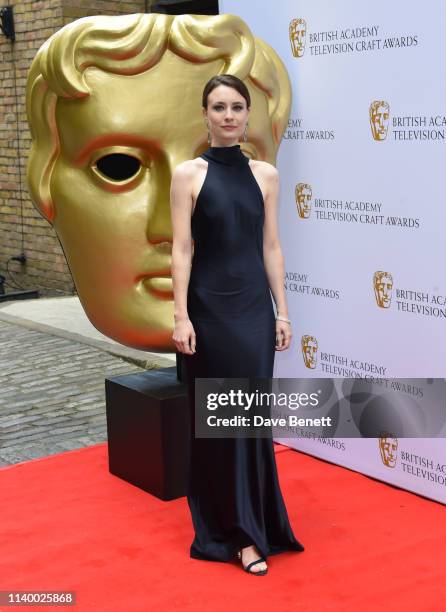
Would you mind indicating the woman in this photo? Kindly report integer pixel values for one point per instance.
(225, 326)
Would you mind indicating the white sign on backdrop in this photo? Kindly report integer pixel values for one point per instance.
(361, 210)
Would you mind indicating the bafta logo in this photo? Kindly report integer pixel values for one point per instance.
(388, 446)
(303, 195)
(383, 285)
(379, 118)
(298, 32)
(309, 351)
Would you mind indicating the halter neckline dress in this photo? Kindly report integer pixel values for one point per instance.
(233, 493)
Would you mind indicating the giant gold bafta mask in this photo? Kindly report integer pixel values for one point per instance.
(113, 105)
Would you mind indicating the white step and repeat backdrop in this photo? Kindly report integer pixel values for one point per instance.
(362, 209)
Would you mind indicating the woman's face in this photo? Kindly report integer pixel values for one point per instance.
(227, 114)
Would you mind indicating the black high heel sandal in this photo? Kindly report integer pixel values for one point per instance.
(247, 568)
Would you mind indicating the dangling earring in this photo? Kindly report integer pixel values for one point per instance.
(209, 134)
(245, 133)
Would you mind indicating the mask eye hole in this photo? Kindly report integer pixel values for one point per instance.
(118, 166)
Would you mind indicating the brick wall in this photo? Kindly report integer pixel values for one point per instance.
(22, 228)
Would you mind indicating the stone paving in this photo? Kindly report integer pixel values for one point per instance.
(52, 393)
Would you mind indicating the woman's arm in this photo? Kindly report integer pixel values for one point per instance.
(272, 252)
(181, 210)
(273, 256)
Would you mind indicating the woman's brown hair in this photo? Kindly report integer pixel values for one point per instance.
(230, 81)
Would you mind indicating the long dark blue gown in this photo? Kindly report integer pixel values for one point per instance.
(234, 494)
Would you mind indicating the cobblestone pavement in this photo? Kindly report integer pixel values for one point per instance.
(52, 393)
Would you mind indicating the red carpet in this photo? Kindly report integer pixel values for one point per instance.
(68, 524)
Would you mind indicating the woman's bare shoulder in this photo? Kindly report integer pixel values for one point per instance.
(265, 167)
(266, 172)
(188, 168)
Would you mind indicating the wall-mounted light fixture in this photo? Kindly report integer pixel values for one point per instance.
(7, 22)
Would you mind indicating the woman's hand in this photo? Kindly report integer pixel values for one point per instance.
(184, 336)
(283, 335)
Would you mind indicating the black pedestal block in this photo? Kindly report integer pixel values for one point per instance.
(149, 431)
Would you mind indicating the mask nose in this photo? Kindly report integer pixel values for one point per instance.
(159, 227)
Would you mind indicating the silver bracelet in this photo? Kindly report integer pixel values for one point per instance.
(280, 318)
